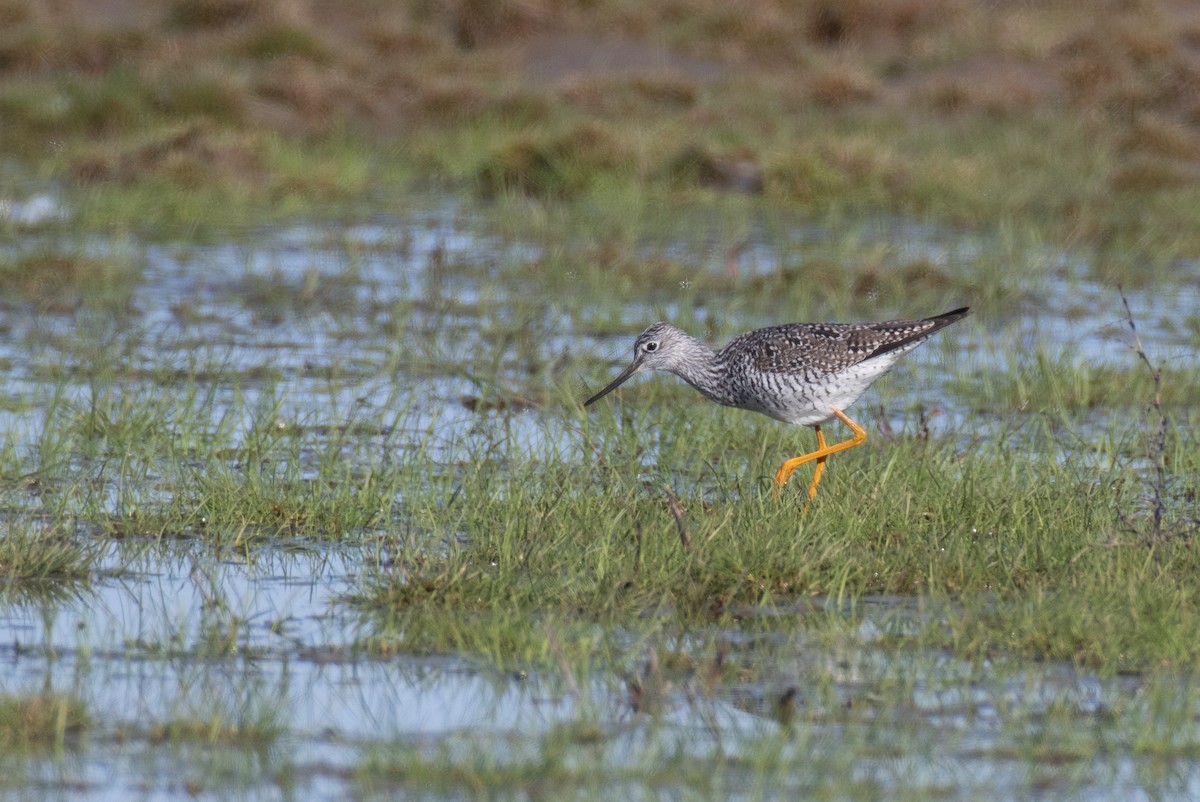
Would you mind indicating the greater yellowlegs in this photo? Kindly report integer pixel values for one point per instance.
(801, 373)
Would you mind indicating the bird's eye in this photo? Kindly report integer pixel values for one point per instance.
(650, 347)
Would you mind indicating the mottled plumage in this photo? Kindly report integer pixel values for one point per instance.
(799, 373)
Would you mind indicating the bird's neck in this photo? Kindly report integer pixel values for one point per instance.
(700, 367)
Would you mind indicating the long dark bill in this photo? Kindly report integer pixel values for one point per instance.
(625, 374)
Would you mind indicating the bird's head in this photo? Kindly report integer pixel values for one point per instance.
(659, 347)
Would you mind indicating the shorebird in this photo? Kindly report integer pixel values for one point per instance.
(805, 374)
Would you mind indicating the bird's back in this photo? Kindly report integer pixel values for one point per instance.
(798, 371)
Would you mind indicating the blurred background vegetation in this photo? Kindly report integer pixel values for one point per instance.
(1077, 119)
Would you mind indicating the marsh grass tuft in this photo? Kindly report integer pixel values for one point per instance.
(217, 728)
(57, 279)
(42, 721)
(551, 165)
(39, 561)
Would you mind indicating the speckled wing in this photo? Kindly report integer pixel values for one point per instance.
(824, 348)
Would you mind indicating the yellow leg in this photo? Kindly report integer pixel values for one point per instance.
(819, 468)
(822, 453)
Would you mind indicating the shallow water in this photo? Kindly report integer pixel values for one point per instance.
(149, 647)
(317, 325)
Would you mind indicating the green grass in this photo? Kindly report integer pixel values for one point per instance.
(1057, 381)
(1026, 541)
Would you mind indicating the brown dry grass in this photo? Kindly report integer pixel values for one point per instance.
(188, 157)
(307, 67)
(303, 67)
(843, 83)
